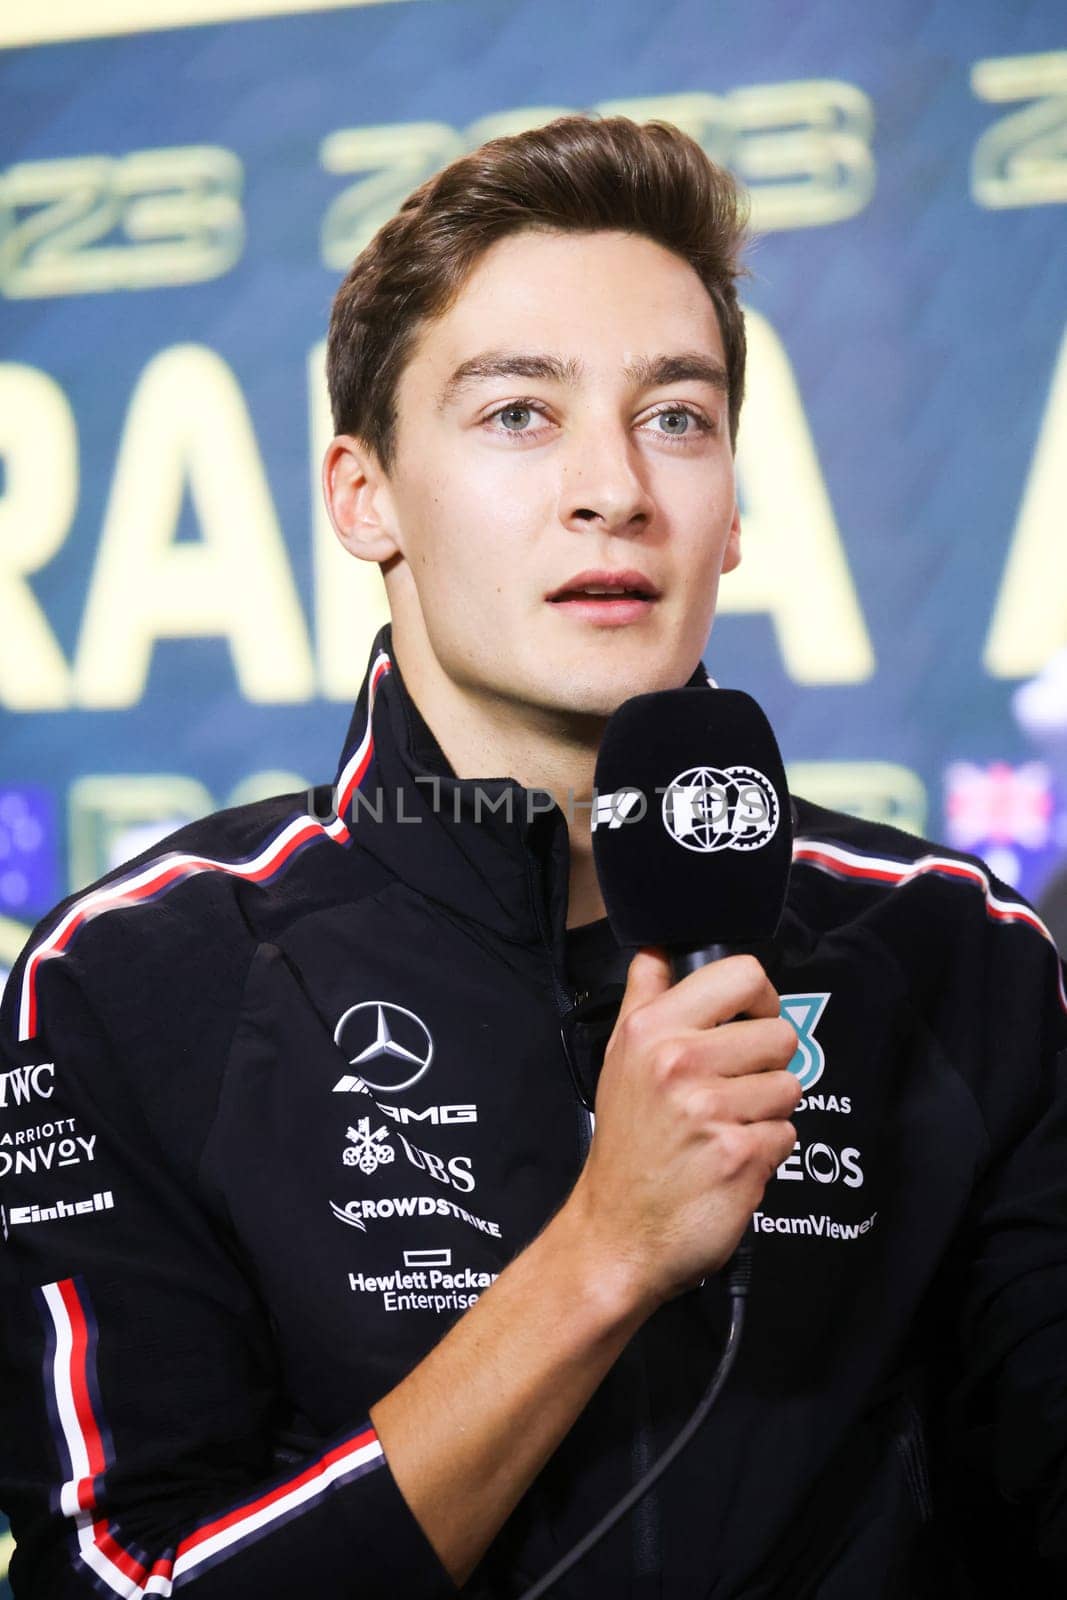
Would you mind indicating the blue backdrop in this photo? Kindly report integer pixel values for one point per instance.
(177, 630)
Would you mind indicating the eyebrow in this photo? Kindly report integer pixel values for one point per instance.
(648, 372)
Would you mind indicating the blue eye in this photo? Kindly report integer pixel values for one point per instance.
(515, 418)
(674, 422)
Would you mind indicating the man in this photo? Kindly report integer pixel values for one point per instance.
(338, 1296)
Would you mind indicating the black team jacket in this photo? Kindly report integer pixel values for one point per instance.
(279, 1099)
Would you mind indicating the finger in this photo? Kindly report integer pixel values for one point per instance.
(761, 1097)
(736, 1049)
(774, 1143)
(648, 978)
(732, 987)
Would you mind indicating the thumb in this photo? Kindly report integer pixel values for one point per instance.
(648, 977)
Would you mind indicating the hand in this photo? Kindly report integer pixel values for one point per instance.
(692, 1116)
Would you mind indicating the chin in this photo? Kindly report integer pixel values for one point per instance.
(600, 694)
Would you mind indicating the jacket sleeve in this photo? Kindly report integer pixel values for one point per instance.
(145, 1440)
(1006, 1288)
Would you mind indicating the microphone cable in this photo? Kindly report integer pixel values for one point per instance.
(738, 1278)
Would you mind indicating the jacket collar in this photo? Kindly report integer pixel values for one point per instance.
(487, 848)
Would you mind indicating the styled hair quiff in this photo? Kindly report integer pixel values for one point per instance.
(578, 175)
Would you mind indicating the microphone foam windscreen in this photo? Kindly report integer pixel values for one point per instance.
(692, 827)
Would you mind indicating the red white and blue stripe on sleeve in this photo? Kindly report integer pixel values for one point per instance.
(160, 876)
(842, 863)
(86, 1453)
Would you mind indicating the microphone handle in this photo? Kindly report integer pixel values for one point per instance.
(691, 959)
(739, 1267)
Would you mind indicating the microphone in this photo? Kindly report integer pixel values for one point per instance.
(692, 835)
(692, 826)
(692, 839)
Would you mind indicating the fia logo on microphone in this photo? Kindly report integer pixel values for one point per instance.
(721, 808)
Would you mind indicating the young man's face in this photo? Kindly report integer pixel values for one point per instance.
(562, 430)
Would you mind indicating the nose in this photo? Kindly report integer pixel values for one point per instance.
(602, 486)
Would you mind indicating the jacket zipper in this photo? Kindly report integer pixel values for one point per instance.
(565, 1001)
(647, 1532)
(647, 1540)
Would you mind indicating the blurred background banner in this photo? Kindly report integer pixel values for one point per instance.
(182, 184)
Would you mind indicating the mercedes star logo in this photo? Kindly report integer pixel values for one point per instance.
(389, 1046)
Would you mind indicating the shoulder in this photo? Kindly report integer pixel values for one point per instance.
(123, 1008)
(184, 917)
(863, 864)
(931, 906)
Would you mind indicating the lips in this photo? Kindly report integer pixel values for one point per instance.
(605, 585)
(605, 599)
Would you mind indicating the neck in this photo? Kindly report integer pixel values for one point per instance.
(485, 736)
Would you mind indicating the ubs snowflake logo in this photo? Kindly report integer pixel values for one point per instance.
(367, 1150)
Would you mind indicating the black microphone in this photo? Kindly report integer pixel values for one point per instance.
(692, 838)
(692, 826)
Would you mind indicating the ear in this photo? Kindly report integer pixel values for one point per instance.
(356, 491)
(732, 555)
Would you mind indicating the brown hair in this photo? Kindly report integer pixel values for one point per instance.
(577, 174)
